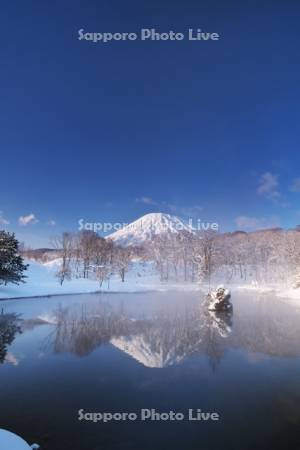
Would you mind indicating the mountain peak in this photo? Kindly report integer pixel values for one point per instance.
(147, 226)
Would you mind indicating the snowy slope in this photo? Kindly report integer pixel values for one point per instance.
(41, 280)
(145, 352)
(146, 227)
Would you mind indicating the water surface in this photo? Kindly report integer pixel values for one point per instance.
(126, 352)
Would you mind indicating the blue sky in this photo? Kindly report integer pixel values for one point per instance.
(108, 132)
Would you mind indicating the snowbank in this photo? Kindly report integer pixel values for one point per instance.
(41, 281)
(142, 277)
(278, 291)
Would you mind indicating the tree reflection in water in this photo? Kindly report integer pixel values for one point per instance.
(162, 339)
(9, 327)
(166, 333)
(80, 332)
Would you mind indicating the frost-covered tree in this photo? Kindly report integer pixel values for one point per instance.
(205, 255)
(11, 263)
(88, 243)
(64, 244)
(122, 259)
(159, 252)
(102, 273)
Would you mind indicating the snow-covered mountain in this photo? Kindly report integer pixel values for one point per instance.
(141, 351)
(145, 353)
(146, 227)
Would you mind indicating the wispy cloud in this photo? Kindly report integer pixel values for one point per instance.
(295, 185)
(3, 221)
(268, 186)
(30, 219)
(147, 201)
(184, 211)
(256, 223)
(51, 223)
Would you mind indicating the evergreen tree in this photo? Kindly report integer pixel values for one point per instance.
(11, 263)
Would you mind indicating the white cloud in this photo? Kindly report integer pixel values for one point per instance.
(147, 201)
(186, 211)
(268, 186)
(30, 219)
(3, 221)
(51, 222)
(256, 223)
(295, 185)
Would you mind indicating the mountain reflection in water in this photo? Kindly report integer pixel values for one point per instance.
(124, 352)
(166, 335)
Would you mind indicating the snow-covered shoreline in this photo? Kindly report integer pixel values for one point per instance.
(41, 282)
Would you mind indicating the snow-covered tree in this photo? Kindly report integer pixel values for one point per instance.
(122, 259)
(64, 244)
(87, 243)
(102, 273)
(11, 263)
(205, 255)
(9, 327)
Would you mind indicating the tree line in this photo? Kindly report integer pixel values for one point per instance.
(88, 255)
(267, 256)
(263, 257)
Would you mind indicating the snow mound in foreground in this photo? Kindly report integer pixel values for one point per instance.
(11, 441)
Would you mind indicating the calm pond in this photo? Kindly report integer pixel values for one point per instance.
(121, 353)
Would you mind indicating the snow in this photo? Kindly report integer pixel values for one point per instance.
(11, 441)
(142, 277)
(143, 352)
(147, 226)
(41, 281)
